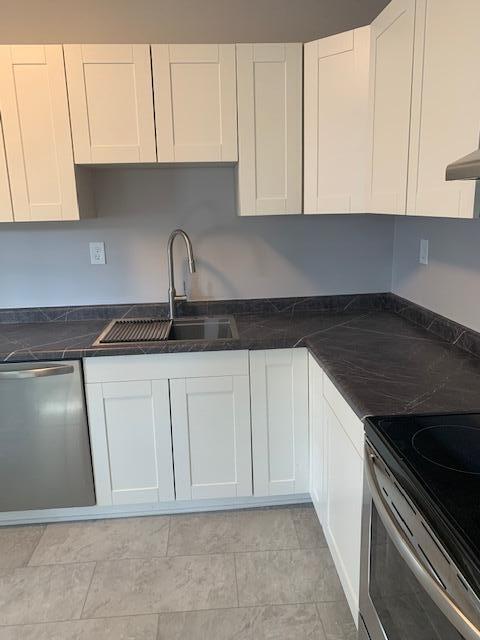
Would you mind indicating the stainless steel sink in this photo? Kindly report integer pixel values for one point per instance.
(213, 328)
(152, 330)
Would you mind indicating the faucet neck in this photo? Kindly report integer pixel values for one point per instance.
(172, 296)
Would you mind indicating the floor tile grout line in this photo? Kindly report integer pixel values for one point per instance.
(204, 554)
(321, 620)
(313, 603)
(88, 591)
(27, 564)
(90, 619)
(168, 535)
(295, 529)
(236, 579)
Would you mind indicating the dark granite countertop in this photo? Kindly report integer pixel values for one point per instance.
(374, 348)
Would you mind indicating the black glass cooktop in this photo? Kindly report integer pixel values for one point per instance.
(437, 460)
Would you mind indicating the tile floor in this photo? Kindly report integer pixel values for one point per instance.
(260, 574)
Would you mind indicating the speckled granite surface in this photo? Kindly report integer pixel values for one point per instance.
(384, 354)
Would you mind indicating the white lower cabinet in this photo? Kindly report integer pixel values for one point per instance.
(317, 429)
(135, 405)
(225, 425)
(344, 493)
(211, 437)
(131, 441)
(279, 398)
(336, 477)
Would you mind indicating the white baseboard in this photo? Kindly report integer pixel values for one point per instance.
(165, 508)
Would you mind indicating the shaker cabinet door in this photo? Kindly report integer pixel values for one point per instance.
(279, 392)
(195, 102)
(344, 497)
(130, 432)
(336, 119)
(391, 55)
(211, 437)
(6, 208)
(269, 87)
(36, 132)
(446, 106)
(317, 431)
(111, 103)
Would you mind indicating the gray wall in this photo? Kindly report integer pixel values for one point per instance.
(27, 21)
(450, 283)
(48, 264)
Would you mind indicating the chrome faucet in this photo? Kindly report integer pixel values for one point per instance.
(172, 294)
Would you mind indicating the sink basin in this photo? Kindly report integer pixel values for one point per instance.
(203, 329)
(151, 330)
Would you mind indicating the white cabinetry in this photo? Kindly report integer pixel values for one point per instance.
(317, 436)
(279, 397)
(6, 208)
(336, 117)
(211, 437)
(195, 102)
(131, 441)
(343, 490)
(392, 41)
(36, 132)
(111, 102)
(446, 106)
(269, 89)
(136, 402)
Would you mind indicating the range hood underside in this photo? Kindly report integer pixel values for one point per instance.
(467, 168)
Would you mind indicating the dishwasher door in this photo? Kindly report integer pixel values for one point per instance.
(45, 459)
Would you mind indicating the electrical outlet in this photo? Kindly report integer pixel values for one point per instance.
(423, 257)
(97, 253)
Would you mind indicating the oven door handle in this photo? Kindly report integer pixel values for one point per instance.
(449, 608)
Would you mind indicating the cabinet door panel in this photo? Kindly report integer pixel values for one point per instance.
(446, 106)
(6, 209)
(279, 393)
(111, 103)
(131, 441)
(36, 128)
(211, 437)
(392, 38)
(317, 437)
(269, 81)
(336, 108)
(195, 102)
(344, 506)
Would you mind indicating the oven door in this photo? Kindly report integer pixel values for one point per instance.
(402, 596)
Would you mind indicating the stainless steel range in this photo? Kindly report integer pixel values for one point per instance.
(419, 578)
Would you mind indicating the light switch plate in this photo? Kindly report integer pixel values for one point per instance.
(97, 253)
(423, 258)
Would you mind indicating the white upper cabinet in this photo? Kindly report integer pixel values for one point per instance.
(279, 397)
(211, 437)
(6, 208)
(336, 118)
(111, 103)
(446, 106)
(36, 130)
(195, 102)
(269, 88)
(391, 55)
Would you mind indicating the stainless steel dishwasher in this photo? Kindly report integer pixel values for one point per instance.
(45, 459)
